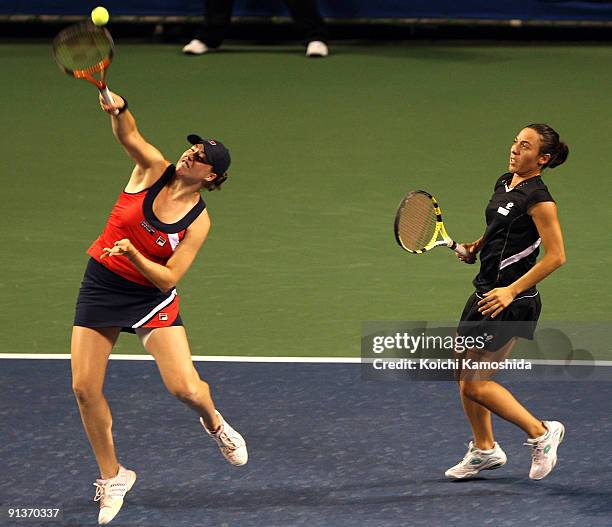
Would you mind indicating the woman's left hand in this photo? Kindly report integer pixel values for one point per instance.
(121, 248)
(495, 301)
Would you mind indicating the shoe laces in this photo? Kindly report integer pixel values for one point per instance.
(106, 489)
(468, 454)
(226, 440)
(537, 453)
(100, 491)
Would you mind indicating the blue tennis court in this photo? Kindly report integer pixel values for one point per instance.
(326, 449)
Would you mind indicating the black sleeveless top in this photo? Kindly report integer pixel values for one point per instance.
(511, 241)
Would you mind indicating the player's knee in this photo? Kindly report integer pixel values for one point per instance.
(188, 393)
(473, 390)
(85, 394)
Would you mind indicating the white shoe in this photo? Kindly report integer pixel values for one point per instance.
(544, 454)
(195, 47)
(110, 493)
(316, 48)
(231, 443)
(476, 460)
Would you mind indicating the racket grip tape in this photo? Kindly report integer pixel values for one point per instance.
(108, 98)
(461, 250)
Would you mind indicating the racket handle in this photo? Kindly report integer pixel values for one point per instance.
(460, 249)
(108, 98)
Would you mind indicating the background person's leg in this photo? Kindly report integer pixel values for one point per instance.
(217, 18)
(306, 15)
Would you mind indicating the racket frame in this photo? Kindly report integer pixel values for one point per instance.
(101, 67)
(439, 230)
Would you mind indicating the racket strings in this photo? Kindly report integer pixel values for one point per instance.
(417, 222)
(83, 48)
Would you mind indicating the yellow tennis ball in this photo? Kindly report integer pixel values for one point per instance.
(99, 16)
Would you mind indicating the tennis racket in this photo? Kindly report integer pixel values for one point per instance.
(418, 223)
(83, 50)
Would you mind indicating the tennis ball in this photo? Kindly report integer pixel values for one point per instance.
(99, 16)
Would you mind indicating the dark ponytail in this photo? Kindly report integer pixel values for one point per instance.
(551, 144)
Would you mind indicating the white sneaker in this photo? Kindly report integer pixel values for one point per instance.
(195, 47)
(110, 493)
(544, 454)
(316, 48)
(231, 443)
(476, 460)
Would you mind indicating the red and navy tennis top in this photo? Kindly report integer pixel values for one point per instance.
(132, 217)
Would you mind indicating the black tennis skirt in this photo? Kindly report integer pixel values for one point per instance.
(519, 319)
(109, 300)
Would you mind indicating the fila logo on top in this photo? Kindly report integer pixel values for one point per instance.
(505, 211)
(161, 241)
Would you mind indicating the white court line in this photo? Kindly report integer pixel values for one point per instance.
(297, 360)
(195, 358)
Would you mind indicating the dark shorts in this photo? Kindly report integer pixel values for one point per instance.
(519, 319)
(109, 300)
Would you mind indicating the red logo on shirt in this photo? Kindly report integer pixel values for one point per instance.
(163, 316)
(161, 241)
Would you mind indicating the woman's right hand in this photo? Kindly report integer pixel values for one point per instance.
(110, 108)
(472, 249)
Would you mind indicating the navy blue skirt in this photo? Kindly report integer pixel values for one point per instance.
(109, 300)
